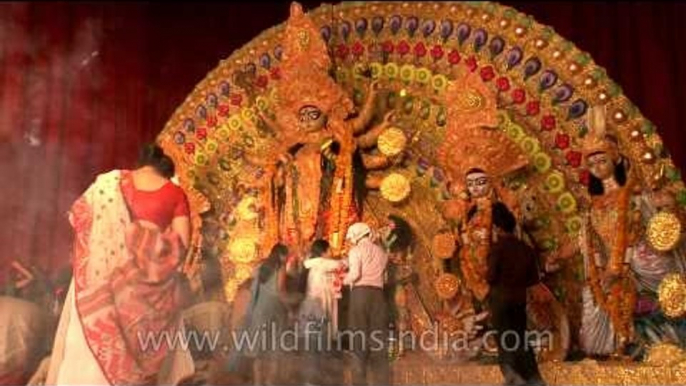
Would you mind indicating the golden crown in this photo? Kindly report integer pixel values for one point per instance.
(470, 103)
(596, 140)
(305, 80)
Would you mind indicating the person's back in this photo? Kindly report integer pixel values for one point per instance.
(373, 260)
(368, 310)
(24, 338)
(320, 275)
(512, 268)
(267, 305)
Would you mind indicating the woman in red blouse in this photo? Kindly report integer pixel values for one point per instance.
(132, 229)
(153, 200)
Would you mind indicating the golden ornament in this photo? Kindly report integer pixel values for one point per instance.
(447, 285)
(648, 157)
(392, 142)
(665, 354)
(470, 100)
(664, 231)
(243, 250)
(245, 210)
(395, 187)
(443, 245)
(672, 295)
(230, 290)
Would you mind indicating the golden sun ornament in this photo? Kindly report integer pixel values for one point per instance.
(392, 142)
(447, 285)
(395, 187)
(672, 295)
(243, 250)
(664, 231)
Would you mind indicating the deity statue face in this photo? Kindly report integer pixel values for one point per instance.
(311, 119)
(600, 165)
(478, 184)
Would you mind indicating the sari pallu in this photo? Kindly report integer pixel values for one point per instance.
(126, 290)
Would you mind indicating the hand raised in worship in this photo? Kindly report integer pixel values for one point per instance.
(375, 86)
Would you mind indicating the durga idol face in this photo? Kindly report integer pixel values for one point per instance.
(478, 184)
(600, 165)
(311, 119)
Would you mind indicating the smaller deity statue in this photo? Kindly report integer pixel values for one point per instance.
(619, 264)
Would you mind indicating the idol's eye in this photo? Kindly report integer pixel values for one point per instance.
(314, 115)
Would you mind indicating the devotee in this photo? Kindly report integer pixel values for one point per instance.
(320, 303)
(511, 270)
(266, 314)
(25, 337)
(318, 313)
(132, 228)
(368, 309)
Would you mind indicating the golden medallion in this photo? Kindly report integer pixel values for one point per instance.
(664, 231)
(447, 285)
(672, 295)
(392, 142)
(395, 187)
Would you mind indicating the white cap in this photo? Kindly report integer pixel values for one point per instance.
(358, 231)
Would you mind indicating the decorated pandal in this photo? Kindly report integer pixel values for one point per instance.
(365, 110)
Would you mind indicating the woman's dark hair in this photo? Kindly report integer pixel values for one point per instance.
(402, 232)
(273, 262)
(503, 218)
(595, 184)
(319, 247)
(153, 155)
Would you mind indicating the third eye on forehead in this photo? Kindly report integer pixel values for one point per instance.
(309, 110)
(477, 178)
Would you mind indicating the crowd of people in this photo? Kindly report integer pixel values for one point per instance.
(131, 232)
(301, 293)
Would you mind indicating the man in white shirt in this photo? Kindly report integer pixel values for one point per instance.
(368, 309)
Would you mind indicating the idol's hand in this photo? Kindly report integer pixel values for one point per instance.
(389, 118)
(375, 87)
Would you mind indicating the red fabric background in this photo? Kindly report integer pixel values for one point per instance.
(93, 81)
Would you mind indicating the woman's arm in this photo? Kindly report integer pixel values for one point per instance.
(181, 225)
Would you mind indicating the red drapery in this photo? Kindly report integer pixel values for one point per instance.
(83, 85)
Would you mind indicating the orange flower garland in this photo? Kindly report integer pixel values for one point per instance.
(343, 187)
(474, 256)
